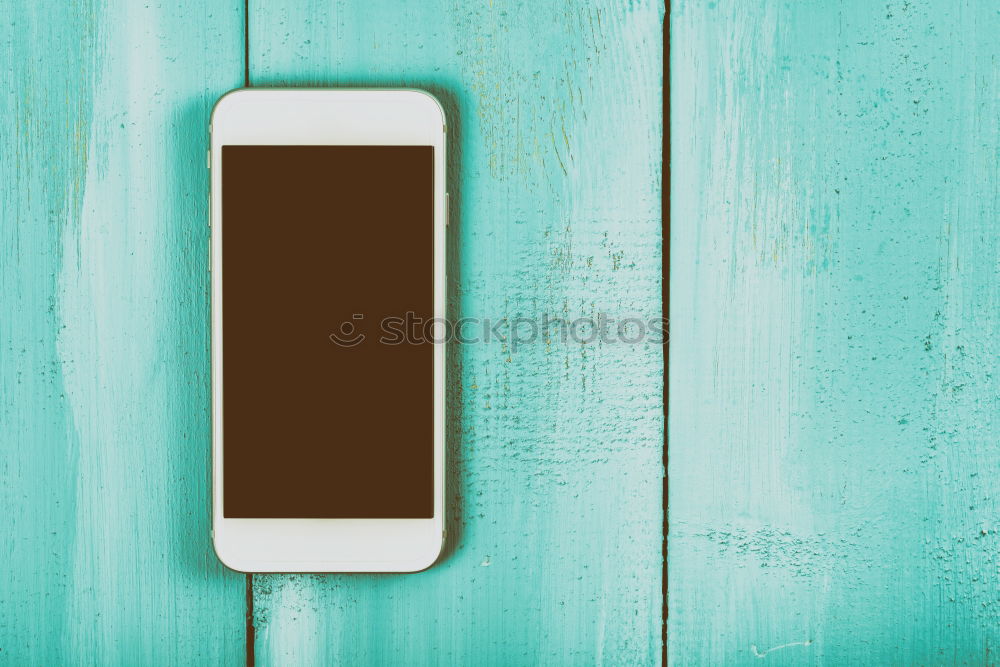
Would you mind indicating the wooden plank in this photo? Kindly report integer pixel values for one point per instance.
(104, 334)
(834, 351)
(556, 503)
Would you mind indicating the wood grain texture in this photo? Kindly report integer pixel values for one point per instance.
(556, 448)
(104, 414)
(834, 319)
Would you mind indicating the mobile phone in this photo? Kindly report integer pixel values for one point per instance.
(328, 214)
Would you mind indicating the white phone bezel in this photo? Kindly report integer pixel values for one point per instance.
(327, 117)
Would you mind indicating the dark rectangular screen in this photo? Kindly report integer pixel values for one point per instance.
(317, 240)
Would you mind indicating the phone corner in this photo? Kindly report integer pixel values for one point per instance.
(224, 99)
(428, 560)
(227, 559)
(432, 101)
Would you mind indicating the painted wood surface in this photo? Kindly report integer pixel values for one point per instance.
(834, 333)
(556, 497)
(104, 412)
(834, 290)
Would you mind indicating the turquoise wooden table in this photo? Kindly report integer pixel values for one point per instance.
(835, 310)
(834, 295)
(555, 124)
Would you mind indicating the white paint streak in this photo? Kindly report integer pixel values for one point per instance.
(762, 654)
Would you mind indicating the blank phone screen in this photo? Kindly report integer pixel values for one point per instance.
(325, 416)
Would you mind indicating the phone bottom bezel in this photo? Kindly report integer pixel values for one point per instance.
(328, 545)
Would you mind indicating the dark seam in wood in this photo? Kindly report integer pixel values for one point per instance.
(250, 630)
(246, 43)
(251, 638)
(665, 286)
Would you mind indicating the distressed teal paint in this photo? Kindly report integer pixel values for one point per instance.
(834, 354)
(554, 554)
(104, 333)
(556, 500)
(42, 133)
(834, 319)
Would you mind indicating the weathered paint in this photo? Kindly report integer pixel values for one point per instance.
(556, 498)
(834, 336)
(104, 415)
(834, 319)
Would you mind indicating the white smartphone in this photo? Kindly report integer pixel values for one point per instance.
(327, 253)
